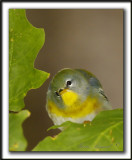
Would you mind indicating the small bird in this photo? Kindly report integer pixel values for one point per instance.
(75, 95)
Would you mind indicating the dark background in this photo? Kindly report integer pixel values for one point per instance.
(91, 39)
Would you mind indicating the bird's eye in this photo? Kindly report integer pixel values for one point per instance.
(57, 93)
(68, 83)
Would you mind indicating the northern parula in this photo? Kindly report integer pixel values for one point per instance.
(75, 95)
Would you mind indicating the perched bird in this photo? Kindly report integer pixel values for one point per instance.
(75, 95)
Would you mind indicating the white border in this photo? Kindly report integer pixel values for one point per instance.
(88, 5)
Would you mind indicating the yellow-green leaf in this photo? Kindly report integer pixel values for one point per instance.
(17, 141)
(104, 133)
(25, 41)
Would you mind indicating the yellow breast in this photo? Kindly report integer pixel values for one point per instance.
(74, 107)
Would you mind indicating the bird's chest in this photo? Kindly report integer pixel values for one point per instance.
(76, 113)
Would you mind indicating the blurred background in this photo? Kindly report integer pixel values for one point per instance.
(91, 39)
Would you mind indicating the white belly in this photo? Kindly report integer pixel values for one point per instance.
(59, 119)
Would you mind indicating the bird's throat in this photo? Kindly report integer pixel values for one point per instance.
(69, 97)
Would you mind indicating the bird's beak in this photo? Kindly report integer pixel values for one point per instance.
(62, 91)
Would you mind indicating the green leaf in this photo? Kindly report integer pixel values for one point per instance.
(17, 141)
(104, 133)
(25, 41)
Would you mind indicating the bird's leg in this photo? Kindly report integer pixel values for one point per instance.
(85, 122)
